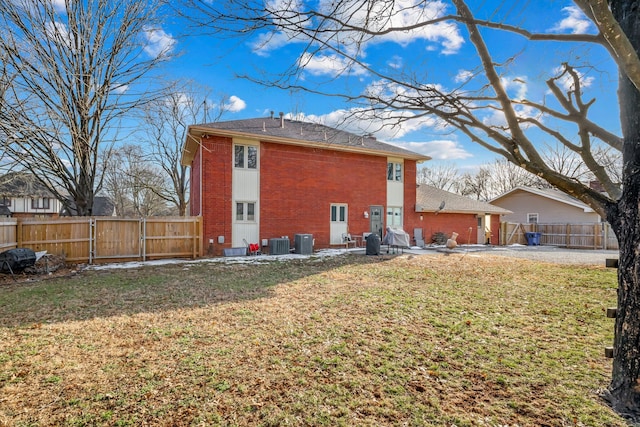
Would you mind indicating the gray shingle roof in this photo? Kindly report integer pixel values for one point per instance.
(102, 206)
(267, 127)
(429, 199)
(22, 184)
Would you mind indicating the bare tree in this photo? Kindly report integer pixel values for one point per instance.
(166, 122)
(496, 178)
(75, 69)
(134, 183)
(444, 176)
(341, 31)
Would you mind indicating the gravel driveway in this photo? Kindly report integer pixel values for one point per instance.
(537, 253)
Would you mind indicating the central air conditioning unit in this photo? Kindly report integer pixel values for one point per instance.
(303, 244)
(278, 246)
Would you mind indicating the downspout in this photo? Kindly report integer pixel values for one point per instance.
(201, 173)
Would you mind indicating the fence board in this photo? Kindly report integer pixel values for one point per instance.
(69, 237)
(8, 233)
(579, 236)
(117, 238)
(99, 239)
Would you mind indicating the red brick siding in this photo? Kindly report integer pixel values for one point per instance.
(448, 223)
(216, 192)
(298, 185)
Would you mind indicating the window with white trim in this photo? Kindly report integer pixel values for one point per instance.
(532, 218)
(338, 213)
(245, 156)
(41, 203)
(245, 211)
(394, 171)
(6, 201)
(394, 216)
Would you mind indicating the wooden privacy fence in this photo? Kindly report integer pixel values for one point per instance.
(597, 235)
(102, 239)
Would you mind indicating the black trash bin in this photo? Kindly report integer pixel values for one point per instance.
(17, 259)
(373, 244)
(533, 239)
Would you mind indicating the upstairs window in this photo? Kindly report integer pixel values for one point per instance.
(394, 171)
(6, 201)
(42, 203)
(245, 156)
(532, 218)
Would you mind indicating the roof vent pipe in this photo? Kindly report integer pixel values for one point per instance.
(281, 119)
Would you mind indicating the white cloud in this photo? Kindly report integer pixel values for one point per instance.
(158, 43)
(396, 62)
(437, 150)
(57, 30)
(444, 36)
(516, 84)
(386, 126)
(119, 88)
(575, 22)
(329, 65)
(566, 81)
(235, 104)
(59, 6)
(267, 42)
(404, 14)
(463, 76)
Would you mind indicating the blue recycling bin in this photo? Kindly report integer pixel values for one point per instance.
(533, 239)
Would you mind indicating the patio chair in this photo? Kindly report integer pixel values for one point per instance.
(348, 240)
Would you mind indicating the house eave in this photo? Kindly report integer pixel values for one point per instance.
(196, 133)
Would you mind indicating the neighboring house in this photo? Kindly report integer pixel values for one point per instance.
(445, 212)
(102, 206)
(544, 206)
(25, 196)
(257, 179)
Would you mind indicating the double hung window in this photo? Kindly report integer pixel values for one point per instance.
(245, 157)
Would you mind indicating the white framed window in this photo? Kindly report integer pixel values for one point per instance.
(394, 171)
(532, 218)
(394, 216)
(245, 156)
(42, 203)
(245, 211)
(5, 201)
(338, 213)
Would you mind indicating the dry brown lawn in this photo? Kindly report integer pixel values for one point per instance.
(429, 340)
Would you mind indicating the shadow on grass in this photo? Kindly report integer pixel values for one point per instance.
(105, 293)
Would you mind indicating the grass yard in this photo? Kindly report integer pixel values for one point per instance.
(350, 340)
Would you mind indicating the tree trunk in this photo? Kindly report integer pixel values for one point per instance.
(625, 219)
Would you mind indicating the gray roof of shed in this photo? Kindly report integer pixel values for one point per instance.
(301, 133)
(429, 199)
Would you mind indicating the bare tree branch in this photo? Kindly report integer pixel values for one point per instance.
(75, 74)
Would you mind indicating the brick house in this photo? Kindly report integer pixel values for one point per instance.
(475, 221)
(264, 178)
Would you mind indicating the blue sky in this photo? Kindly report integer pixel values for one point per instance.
(442, 55)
